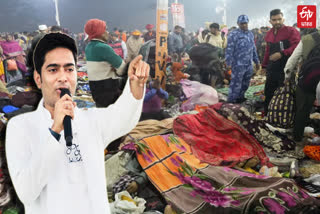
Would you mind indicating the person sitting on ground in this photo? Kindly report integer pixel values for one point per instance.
(152, 104)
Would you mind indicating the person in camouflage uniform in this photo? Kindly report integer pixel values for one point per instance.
(240, 53)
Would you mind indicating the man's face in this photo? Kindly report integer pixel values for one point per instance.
(243, 26)
(214, 31)
(178, 31)
(277, 21)
(58, 71)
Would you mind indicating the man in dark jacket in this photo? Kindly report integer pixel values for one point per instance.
(281, 42)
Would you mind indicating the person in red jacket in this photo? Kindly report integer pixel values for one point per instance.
(281, 41)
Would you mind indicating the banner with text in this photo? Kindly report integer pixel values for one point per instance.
(178, 18)
(162, 41)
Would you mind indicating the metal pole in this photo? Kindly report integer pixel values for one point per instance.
(57, 12)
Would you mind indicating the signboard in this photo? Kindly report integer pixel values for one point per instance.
(162, 41)
(307, 16)
(178, 18)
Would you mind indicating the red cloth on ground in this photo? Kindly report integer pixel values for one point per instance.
(216, 140)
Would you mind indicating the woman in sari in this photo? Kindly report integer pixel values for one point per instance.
(12, 50)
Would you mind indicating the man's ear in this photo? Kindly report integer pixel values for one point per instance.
(37, 78)
(270, 22)
(283, 20)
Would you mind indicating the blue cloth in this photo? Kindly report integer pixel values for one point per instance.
(152, 92)
(240, 81)
(243, 19)
(8, 109)
(241, 49)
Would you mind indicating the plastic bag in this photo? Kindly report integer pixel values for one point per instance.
(124, 204)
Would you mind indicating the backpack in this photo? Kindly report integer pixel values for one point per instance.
(309, 75)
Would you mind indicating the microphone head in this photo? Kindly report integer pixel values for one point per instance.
(64, 91)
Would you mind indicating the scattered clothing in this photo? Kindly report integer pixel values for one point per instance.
(216, 140)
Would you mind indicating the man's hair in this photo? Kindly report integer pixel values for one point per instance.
(177, 27)
(215, 25)
(56, 28)
(275, 12)
(49, 42)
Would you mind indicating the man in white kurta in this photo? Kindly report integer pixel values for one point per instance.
(48, 176)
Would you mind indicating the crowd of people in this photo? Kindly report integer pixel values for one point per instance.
(192, 142)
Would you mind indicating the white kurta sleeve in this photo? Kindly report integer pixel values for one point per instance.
(29, 168)
(119, 118)
(293, 60)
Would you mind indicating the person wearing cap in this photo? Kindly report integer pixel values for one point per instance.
(151, 34)
(105, 67)
(214, 37)
(134, 44)
(43, 29)
(118, 46)
(281, 41)
(48, 176)
(240, 53)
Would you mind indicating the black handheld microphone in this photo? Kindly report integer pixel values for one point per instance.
(67, 121)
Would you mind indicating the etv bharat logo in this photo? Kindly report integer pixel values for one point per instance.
(307, 16)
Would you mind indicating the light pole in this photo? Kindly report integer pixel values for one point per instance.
(224, 12)
(57, 12)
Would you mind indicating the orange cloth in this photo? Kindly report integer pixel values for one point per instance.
(95, 28)
(312, 152)
(157, 167)
(124, 37)
(177, 73)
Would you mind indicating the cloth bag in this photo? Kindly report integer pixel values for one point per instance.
(281, 110)
(124, 204)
